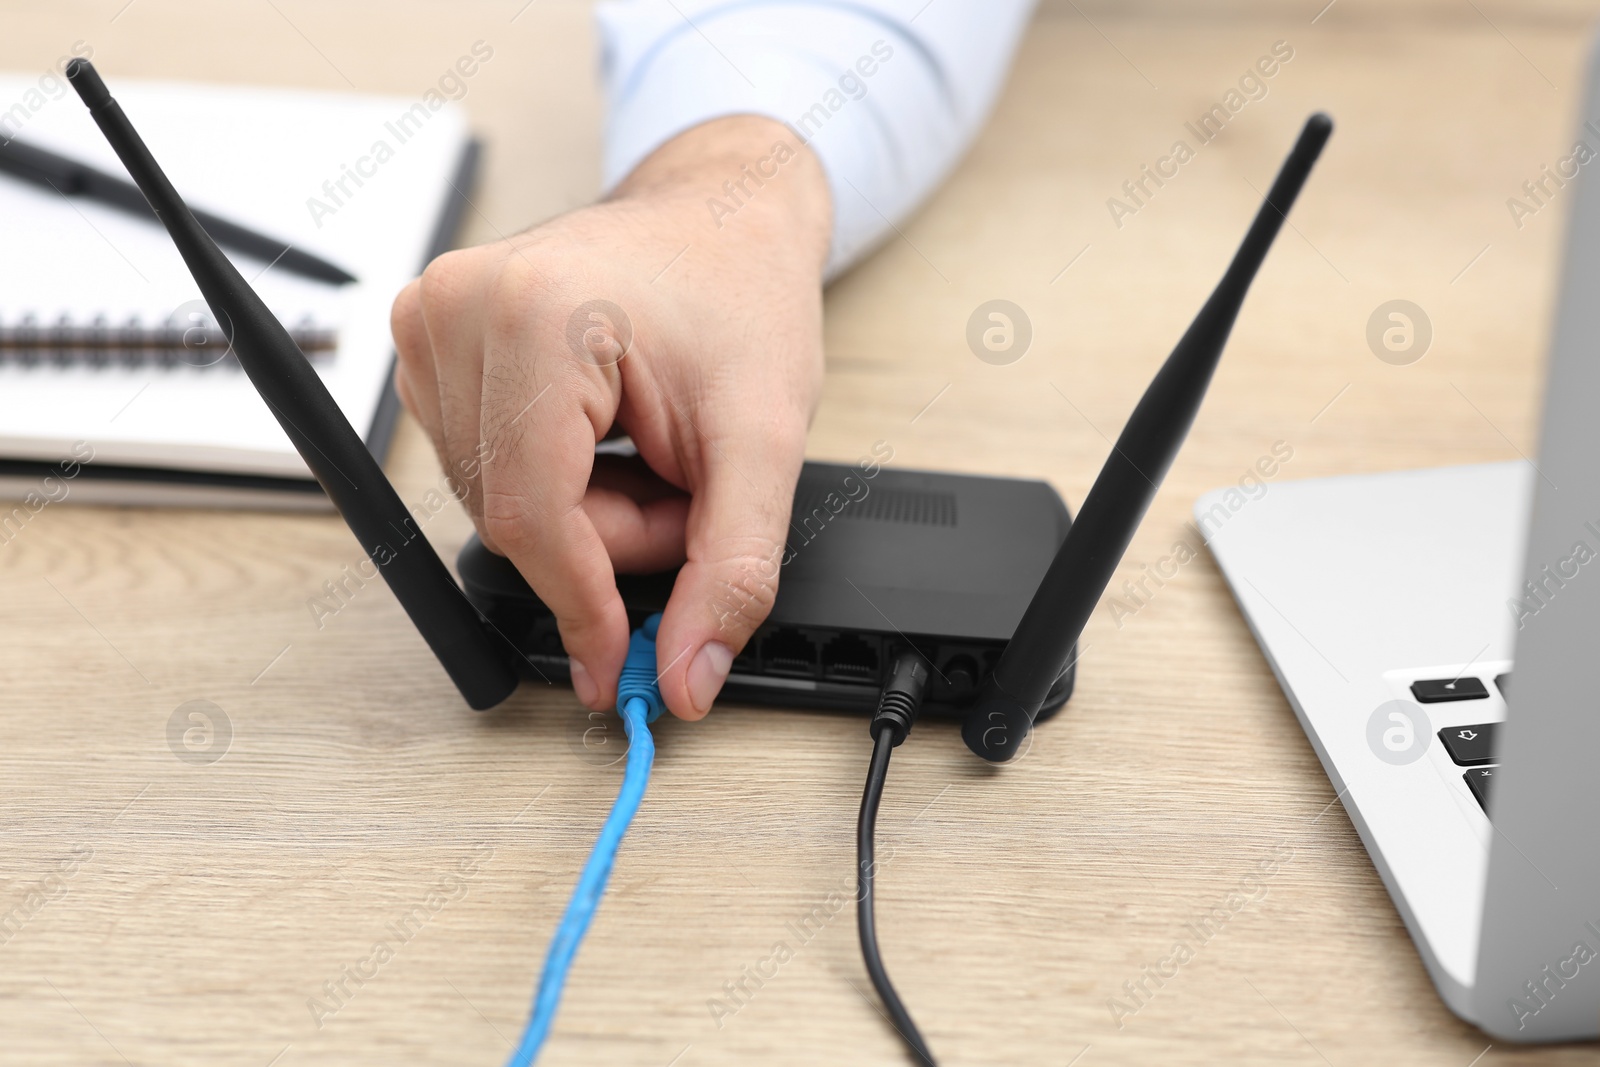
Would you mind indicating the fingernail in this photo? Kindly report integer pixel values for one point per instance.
(583, 684)
(707, 673)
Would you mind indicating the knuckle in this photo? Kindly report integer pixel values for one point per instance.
(745, 589)
(788, 431)
(508, 519)
(442, 280)
(513, 298)
(519, 293)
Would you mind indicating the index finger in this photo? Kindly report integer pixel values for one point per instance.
(541, 419)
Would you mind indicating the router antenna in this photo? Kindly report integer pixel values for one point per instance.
(477, 661)
(1037, 653)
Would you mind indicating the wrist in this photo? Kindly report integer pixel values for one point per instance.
(742, 179)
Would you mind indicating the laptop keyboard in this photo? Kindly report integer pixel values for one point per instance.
(1472, 746)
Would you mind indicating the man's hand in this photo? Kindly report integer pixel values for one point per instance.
(686, 312)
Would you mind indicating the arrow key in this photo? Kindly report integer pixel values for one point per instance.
(1470, 746)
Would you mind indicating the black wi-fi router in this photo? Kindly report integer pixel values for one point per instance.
(942, 563)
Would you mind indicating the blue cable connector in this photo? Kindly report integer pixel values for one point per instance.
(639, 679)
(639, 702)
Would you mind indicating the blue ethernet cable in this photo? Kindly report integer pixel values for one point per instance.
(639, 702)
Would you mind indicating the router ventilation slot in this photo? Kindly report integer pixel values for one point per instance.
(918, 507)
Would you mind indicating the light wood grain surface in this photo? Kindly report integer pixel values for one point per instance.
(207, 905)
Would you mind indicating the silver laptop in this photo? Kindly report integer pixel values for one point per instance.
(1438, 634)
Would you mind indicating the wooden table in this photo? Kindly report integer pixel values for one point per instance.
(210, 908)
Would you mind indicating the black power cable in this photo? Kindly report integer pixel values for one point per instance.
(897, 712)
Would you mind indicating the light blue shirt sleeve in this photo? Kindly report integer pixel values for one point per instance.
(887, 93)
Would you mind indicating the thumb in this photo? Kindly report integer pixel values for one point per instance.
(737, 526)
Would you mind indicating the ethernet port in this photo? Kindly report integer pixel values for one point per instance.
(747, 662)
(790, 652)
(848, 658)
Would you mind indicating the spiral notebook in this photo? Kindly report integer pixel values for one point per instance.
(110, 365)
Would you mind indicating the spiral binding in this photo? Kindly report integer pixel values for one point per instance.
(179, 342)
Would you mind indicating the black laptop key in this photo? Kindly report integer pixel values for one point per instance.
(1478, 781)
(1440, 690)
(1470, 746)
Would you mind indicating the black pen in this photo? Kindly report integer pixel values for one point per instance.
(71, 178)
